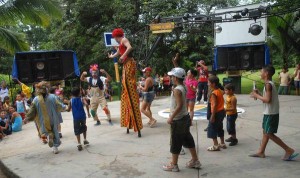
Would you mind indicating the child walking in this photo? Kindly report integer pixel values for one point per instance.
(271, 116)
(231, 113)
(180, 123)
(79, 117)
(215, 125)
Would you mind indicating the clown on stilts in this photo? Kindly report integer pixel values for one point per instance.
(97, 91)
(130, 107)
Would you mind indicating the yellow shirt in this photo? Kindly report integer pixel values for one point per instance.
(229, 105)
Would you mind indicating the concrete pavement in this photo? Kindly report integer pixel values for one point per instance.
(113, 153)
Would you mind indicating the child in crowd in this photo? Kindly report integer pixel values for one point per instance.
(6, 103)
(284, 77)
(53, 90)
(231, 113)
(180, 123)
(5, 127)
(20, 104)
(16, 120)
(215, 125)
(297, 79)
(271, 115)
(85, 100)
(79, 117)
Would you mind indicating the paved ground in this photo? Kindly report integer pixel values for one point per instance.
(113, 153)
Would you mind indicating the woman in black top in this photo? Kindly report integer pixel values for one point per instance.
(148, 96)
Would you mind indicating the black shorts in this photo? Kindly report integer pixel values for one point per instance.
(79, 126)
(215, 129)
(181, 135)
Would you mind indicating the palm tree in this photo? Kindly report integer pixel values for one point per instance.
(284, 35)
(29, 12)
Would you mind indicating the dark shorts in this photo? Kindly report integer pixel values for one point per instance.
(79, 126)
(215, 129)
(181, 135)
(148, 97)
(297, 84)
(270, 123)
(230, 124)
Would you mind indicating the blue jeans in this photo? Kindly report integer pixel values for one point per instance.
(231, 124)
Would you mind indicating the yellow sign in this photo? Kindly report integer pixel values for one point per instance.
(162, 27)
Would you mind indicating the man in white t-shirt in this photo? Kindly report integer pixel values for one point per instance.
(284, 77)
(97, 91)
(3, 91)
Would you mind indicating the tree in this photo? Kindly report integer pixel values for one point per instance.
(15, 12)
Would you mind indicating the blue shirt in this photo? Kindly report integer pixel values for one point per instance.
(77, 109)
(20, 106)
(17, 125)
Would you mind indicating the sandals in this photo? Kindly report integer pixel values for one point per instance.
(223, 146)
(153, 123)
(213, 148)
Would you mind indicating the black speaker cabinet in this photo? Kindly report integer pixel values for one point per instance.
(240, 58)
(45, 65)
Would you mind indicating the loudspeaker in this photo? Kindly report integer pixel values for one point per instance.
(240, 58)
(45, 65)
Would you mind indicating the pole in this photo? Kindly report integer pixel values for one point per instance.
(117, 74)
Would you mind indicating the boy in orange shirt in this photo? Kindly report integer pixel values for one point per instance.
(231, 113)
(215, 126)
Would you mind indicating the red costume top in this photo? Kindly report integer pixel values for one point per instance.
(122, 49)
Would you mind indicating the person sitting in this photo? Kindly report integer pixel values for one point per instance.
(5, 127)
(16, 120)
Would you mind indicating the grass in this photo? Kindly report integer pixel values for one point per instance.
(249, 77)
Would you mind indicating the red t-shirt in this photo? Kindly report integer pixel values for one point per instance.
(203, 74)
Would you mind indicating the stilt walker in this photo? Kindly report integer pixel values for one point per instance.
(130, 106)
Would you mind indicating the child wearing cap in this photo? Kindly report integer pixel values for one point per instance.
(180, 123)
(148, 96)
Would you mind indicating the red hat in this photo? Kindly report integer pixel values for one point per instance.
(147, 69)
(118, 32)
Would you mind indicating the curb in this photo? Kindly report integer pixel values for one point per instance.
(7, 172)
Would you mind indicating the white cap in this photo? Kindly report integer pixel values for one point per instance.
(177, 72)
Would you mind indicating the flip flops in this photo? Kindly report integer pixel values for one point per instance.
(291, 157)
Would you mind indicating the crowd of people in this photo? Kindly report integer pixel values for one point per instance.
(44, 105)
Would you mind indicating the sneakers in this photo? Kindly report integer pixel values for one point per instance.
(198, 102)
(205, 102)
(182, 152)
(110, 122)
(171, 167)
(233, 142)
(79, 147)
(193, 164)
(55, 150)
(85, 142)
(50, 140)
(230, 139)
(98, 123)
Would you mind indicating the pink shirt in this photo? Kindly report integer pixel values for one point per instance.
(189, 83)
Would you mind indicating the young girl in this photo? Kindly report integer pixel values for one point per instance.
(148, 96)
(16, 120)
(6, 103)
(191, 85)
(20, 104)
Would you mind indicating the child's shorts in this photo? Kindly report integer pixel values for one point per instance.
(181, 135)
(270, 123)
(230, 124)
(79, 126)
(215, 129)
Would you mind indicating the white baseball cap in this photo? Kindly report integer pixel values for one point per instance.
(177, 72)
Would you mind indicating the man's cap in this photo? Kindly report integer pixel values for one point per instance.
(177, 72)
